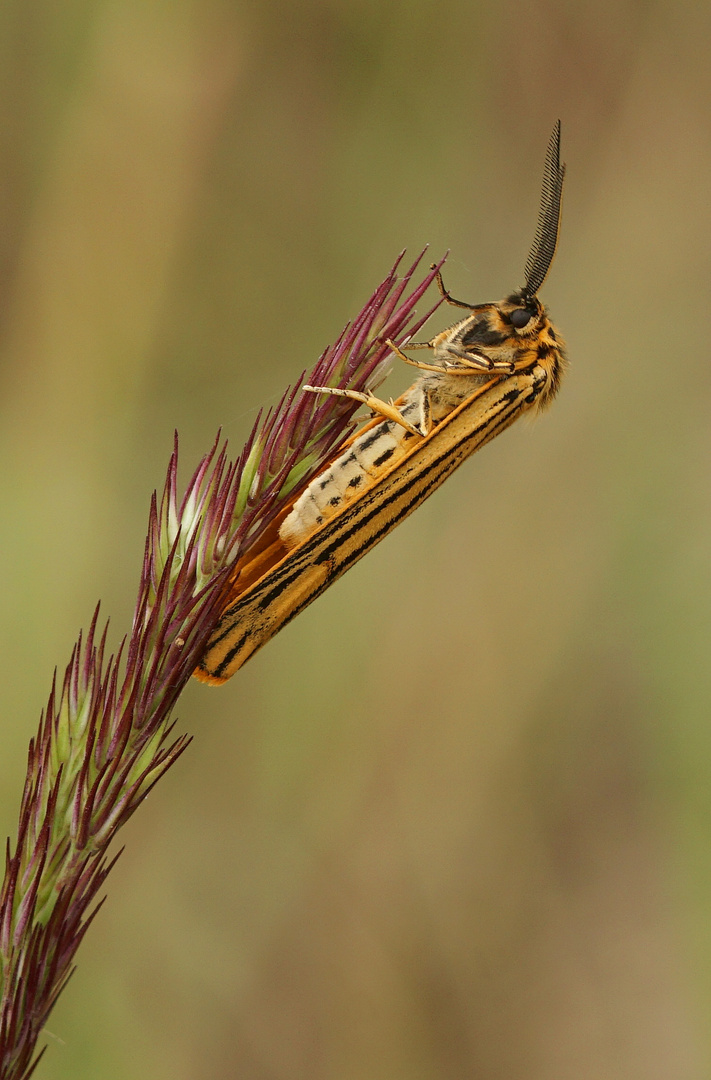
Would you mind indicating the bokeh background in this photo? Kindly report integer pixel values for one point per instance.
(455, 821)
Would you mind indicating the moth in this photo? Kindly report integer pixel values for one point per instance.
(496, 363)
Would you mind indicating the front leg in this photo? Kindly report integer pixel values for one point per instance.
(446, 294)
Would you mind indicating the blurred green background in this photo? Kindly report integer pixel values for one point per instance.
(454, 821)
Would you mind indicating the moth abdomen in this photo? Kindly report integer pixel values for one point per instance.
(352, 473)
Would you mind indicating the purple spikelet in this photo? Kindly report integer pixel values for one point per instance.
(105, 737)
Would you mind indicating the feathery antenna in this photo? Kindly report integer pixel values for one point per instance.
(546, 239)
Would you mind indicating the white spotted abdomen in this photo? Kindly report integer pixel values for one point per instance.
(349, 475)
(427, 402)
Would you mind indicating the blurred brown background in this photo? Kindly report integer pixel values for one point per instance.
(454, 822)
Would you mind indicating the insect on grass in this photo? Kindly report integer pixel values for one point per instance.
(497, 362)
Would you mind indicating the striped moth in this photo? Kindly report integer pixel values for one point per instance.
(496, 363)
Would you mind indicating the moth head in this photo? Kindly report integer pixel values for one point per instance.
(545, 241)
(523, 315)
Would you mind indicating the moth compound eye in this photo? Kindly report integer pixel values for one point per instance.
(520, 317)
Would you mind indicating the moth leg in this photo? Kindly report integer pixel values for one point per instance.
(461, 369)
(382, 408)
(464, 358)
(447, 296)
(464, 363)
(410, 345)
(430, 367)
(439, 368)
